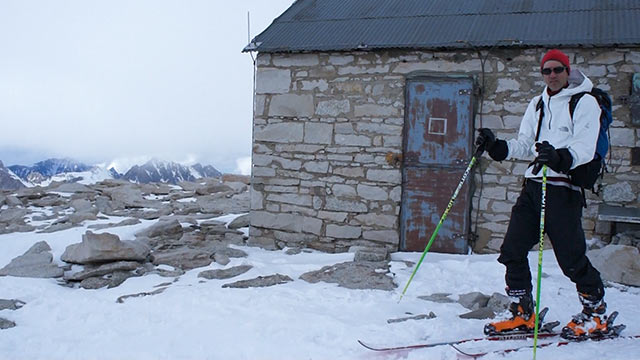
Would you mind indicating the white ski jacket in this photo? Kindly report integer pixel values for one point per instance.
(579, 135)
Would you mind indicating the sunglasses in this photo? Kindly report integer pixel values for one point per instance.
(557, 70)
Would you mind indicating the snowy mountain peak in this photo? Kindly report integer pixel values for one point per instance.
(168, 172)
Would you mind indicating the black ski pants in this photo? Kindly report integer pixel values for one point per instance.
(563, 225)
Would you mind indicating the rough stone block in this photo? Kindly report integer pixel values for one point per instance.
(279, 133)
(389, 176)
(333, 107)
(286, 222)
(291, 105)
(372, 192)
(272, 81)
(385, 236)
(343, 231)
(318, 133)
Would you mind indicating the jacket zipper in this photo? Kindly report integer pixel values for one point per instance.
(550, 114)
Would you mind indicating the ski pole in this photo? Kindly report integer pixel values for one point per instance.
(541, 244)
(475, 157)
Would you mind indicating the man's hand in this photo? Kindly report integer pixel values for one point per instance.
(486, 139)
(558, 160)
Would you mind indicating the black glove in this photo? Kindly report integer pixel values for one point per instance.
(486, 140)
(559, 160)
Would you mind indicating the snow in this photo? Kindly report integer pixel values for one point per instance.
(198, 319)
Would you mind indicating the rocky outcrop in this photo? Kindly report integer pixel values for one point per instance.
(617, 263)
(37, 262)
(102, 248)
(260, 281)
(354, 275)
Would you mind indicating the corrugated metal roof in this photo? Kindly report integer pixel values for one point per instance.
(339, 25)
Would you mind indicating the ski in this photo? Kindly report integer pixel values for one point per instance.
(512, 336)
(558, 343)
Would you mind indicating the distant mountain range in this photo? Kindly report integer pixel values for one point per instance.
(44, 172)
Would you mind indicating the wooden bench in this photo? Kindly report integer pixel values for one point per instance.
(621, 218)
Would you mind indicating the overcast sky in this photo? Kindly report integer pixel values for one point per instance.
(126, 80)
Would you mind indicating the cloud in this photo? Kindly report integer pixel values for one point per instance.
(243, 166)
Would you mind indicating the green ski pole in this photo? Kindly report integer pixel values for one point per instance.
(444, 215)
(541, 244)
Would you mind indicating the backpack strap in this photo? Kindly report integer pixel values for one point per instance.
(574, 102)
(540, 107)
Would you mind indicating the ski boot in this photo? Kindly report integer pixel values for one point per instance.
(522, 320)
(591, 322)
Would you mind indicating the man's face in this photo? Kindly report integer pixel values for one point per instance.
(554, 80)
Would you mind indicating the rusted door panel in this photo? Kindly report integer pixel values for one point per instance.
(438, 128)
(437, 147)
(426, 197)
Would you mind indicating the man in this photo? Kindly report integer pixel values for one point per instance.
(562, 142)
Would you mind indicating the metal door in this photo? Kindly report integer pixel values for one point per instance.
(437, 148)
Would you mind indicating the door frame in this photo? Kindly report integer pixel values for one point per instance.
(474, 98)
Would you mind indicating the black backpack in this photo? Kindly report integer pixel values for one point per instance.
(587, 175)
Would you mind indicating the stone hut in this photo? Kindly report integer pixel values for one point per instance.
(365, 114)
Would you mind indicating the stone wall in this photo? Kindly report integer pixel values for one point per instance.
(325, 124)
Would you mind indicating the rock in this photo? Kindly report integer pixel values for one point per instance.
(245, 179)
(105, 247)
(121, 299)
(37, 262)
(352, 275)
(125, 222)
(230, 252)
(221, 259)
(11, 304)
(617, 263)
(83, 205)
(13, 201)
(73, 187)
(431, 315)
(57, 227)
(239, 222)
(367, 255)
(6, 324)
(93, 283)
(183, 258)
(13, 215)
(112, 280)
(94, 271)
(629, 238)
(498, 303)
(162, 228)
(225, 273)
(442, 298)
(260, 281)
(473, 300)
(213, 227)
(481, 313)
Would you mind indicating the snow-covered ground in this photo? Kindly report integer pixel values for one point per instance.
(198, 319)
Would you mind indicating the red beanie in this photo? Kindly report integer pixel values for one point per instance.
(557, 55)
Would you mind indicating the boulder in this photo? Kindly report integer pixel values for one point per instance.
(12, 304)
(617, 263)
(109, 268)
(13, 215)
(225, 273)
(162, 228)
(239, 222)
(183, 258)
(442, 298)
(473, 300)
(481, 313)
(353, 275)
(6, 324)
(37, 262)
(105, 247)
(260, 281)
